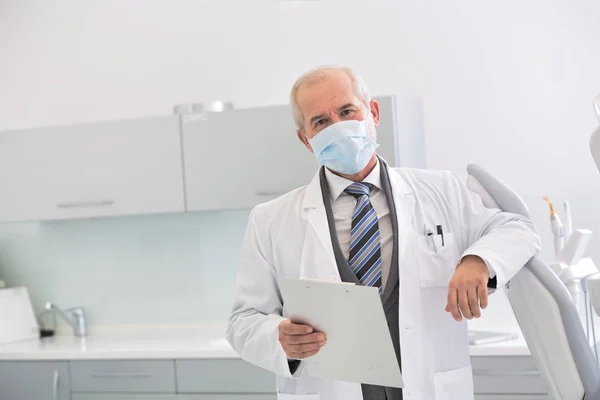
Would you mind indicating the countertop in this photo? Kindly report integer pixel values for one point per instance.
(125, 343)
(207, 341)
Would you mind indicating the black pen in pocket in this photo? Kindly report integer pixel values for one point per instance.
(440, 231)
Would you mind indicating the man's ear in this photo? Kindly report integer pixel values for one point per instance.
(304, 139)
(375, 112)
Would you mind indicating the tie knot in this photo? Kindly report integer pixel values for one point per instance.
(358, 189)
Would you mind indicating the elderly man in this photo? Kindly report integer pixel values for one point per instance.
(420, 237)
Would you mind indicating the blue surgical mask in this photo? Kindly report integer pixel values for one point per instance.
(345, 147)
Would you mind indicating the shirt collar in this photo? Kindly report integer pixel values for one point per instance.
(337, 184)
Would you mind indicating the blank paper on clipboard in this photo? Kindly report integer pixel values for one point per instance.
(359, 347)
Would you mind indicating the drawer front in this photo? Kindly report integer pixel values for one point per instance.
(105, 396)
(511, 397)
(503, 363)
(239, 396)
(223, 376)
(507, 375)
(123, 376)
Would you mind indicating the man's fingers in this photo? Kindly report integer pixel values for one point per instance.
(289, 328)
(299, 341)
(302, 356)
(482, 292)
(452, 306)
(303, 339)
(463, 301)
(303, 348)
(474, 302)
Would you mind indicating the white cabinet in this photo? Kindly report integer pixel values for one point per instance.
(501, 377)
(232, 376)
(214, 396)
(91, 170)
(123, 376)
(240, 158)
(210, 161)
(129, 396)
(34, 380)
(512, 397)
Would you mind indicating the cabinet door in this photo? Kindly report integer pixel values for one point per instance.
(117, 396)
(222, 376)
(237, 159)
(122, 376)
(91, 170)
(240, 158)
(511, 397)
(21, 380)
(507, 375)
(239, 396)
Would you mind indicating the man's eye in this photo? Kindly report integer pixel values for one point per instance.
(345, 113)
(320, 122)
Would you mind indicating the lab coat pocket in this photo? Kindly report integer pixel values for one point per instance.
(288, 396)
(456, 384)
(437, 259)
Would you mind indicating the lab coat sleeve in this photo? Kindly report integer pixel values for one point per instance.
(503, 240)
(257, 309)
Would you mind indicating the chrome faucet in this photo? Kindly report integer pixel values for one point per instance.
(75, 317)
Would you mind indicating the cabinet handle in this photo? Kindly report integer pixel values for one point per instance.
(489, 372)
(271, 192)
(121, 375)
(55, 385)
(83, 204)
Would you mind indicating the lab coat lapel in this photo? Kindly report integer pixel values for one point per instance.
(316, 216)
(404, 199)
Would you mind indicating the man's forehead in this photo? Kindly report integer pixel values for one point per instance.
(323, 96)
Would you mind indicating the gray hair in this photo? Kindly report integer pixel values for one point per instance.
(319, 74)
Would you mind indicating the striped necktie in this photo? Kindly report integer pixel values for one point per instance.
(365, 245)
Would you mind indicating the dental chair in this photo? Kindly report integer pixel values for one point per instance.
(544, 309)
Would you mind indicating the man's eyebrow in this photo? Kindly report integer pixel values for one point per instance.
(345, 106)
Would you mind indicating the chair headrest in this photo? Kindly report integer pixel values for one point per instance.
(493, 192)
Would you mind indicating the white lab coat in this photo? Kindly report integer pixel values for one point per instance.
(289, 237)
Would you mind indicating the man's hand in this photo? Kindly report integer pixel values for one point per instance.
(467, 291)
(299, 341)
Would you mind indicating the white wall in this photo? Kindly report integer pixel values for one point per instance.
(506, 84)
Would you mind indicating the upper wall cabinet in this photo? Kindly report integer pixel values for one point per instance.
(201, 161)
(91, 170)
(240, 158)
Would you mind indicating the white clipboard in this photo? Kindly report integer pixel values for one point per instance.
(359, 347)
